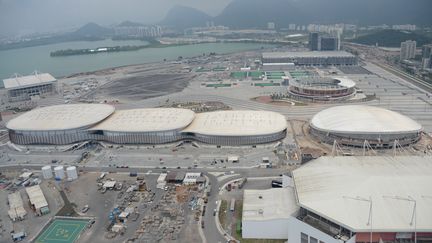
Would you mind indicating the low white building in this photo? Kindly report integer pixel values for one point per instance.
(109, 185)
(269, 209)
(191, 178)
(16, 206)
(37, 200)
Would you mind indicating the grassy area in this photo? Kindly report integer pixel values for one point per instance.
(222, 213)
(267, 84)
(239, 75)
(238, 235)
(218, 85)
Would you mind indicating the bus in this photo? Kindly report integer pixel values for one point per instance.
(232, 206)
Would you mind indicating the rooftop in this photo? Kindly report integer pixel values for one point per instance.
(329, 186)
(269, 204)
(147, 120)
(36, 197)
(30, 80)
(61, 117)
(294, 54)
(237, 123)
(363, 119)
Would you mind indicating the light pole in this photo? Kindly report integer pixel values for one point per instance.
(414, 213)
(358, 198)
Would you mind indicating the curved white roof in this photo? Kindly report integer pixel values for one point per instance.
(147, 120)
(61, 117)
(363, 119)
(340, 188)
(237, 123)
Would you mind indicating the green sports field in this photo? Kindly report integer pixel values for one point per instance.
(62, 231)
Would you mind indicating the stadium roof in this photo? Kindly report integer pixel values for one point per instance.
(147, 120)
(358, 119)
(237, 123)
(61, 117)
(28, 81)
(346, 82)
(328, 187)
(294, 54)
(275, 203)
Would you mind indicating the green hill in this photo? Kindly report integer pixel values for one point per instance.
(391, 38)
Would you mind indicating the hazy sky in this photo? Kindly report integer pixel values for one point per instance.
(24, 16)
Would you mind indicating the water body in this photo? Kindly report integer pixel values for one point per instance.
(25, 60)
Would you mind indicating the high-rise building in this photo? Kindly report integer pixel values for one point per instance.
(408, 49)
(329, 43)
(427, 56)
(314, 41)
(271, 25)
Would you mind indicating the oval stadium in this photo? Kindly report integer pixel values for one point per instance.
(59, 124)
(234, 128)
(144, 126)
(352, 125)
(322, 89)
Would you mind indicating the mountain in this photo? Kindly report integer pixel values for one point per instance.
(391, 38)
(92, 30)
(181, 17)
(256, 13)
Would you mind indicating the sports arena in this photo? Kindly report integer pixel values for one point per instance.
(68, 124)
(355, 125)
(322, 89)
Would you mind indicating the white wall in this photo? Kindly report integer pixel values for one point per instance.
(265, 229)
(296, 227)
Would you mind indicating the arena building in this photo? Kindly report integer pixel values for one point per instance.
(22, 88)
(321, 89)
(347, 200)
(144, 126)
(355, 125)
(234, 128)
(59, 124)
(67, 124)
(310, 58)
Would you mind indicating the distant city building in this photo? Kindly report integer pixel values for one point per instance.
(329, 43)
(314, 41)
(138, 31)
(319, 42)
(292, 27)
(408, 49)
(271, 25)
(22, 88)
(410, 27)
(427, 57)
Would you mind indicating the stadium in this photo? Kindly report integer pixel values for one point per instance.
(357, 125)
(68, 124)
(60, 124)
(143, 126)
(234, 128)
(321, 89)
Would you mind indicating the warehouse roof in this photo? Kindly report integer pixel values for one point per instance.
(28, 81)
(237, 123)
(363, 119)
(275, 203)
(36, 197)
(328, 187)
(294, 54)
(147, 120)
(61, 117)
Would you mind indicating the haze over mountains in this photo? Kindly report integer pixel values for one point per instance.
(27, 16)
(256, 13)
